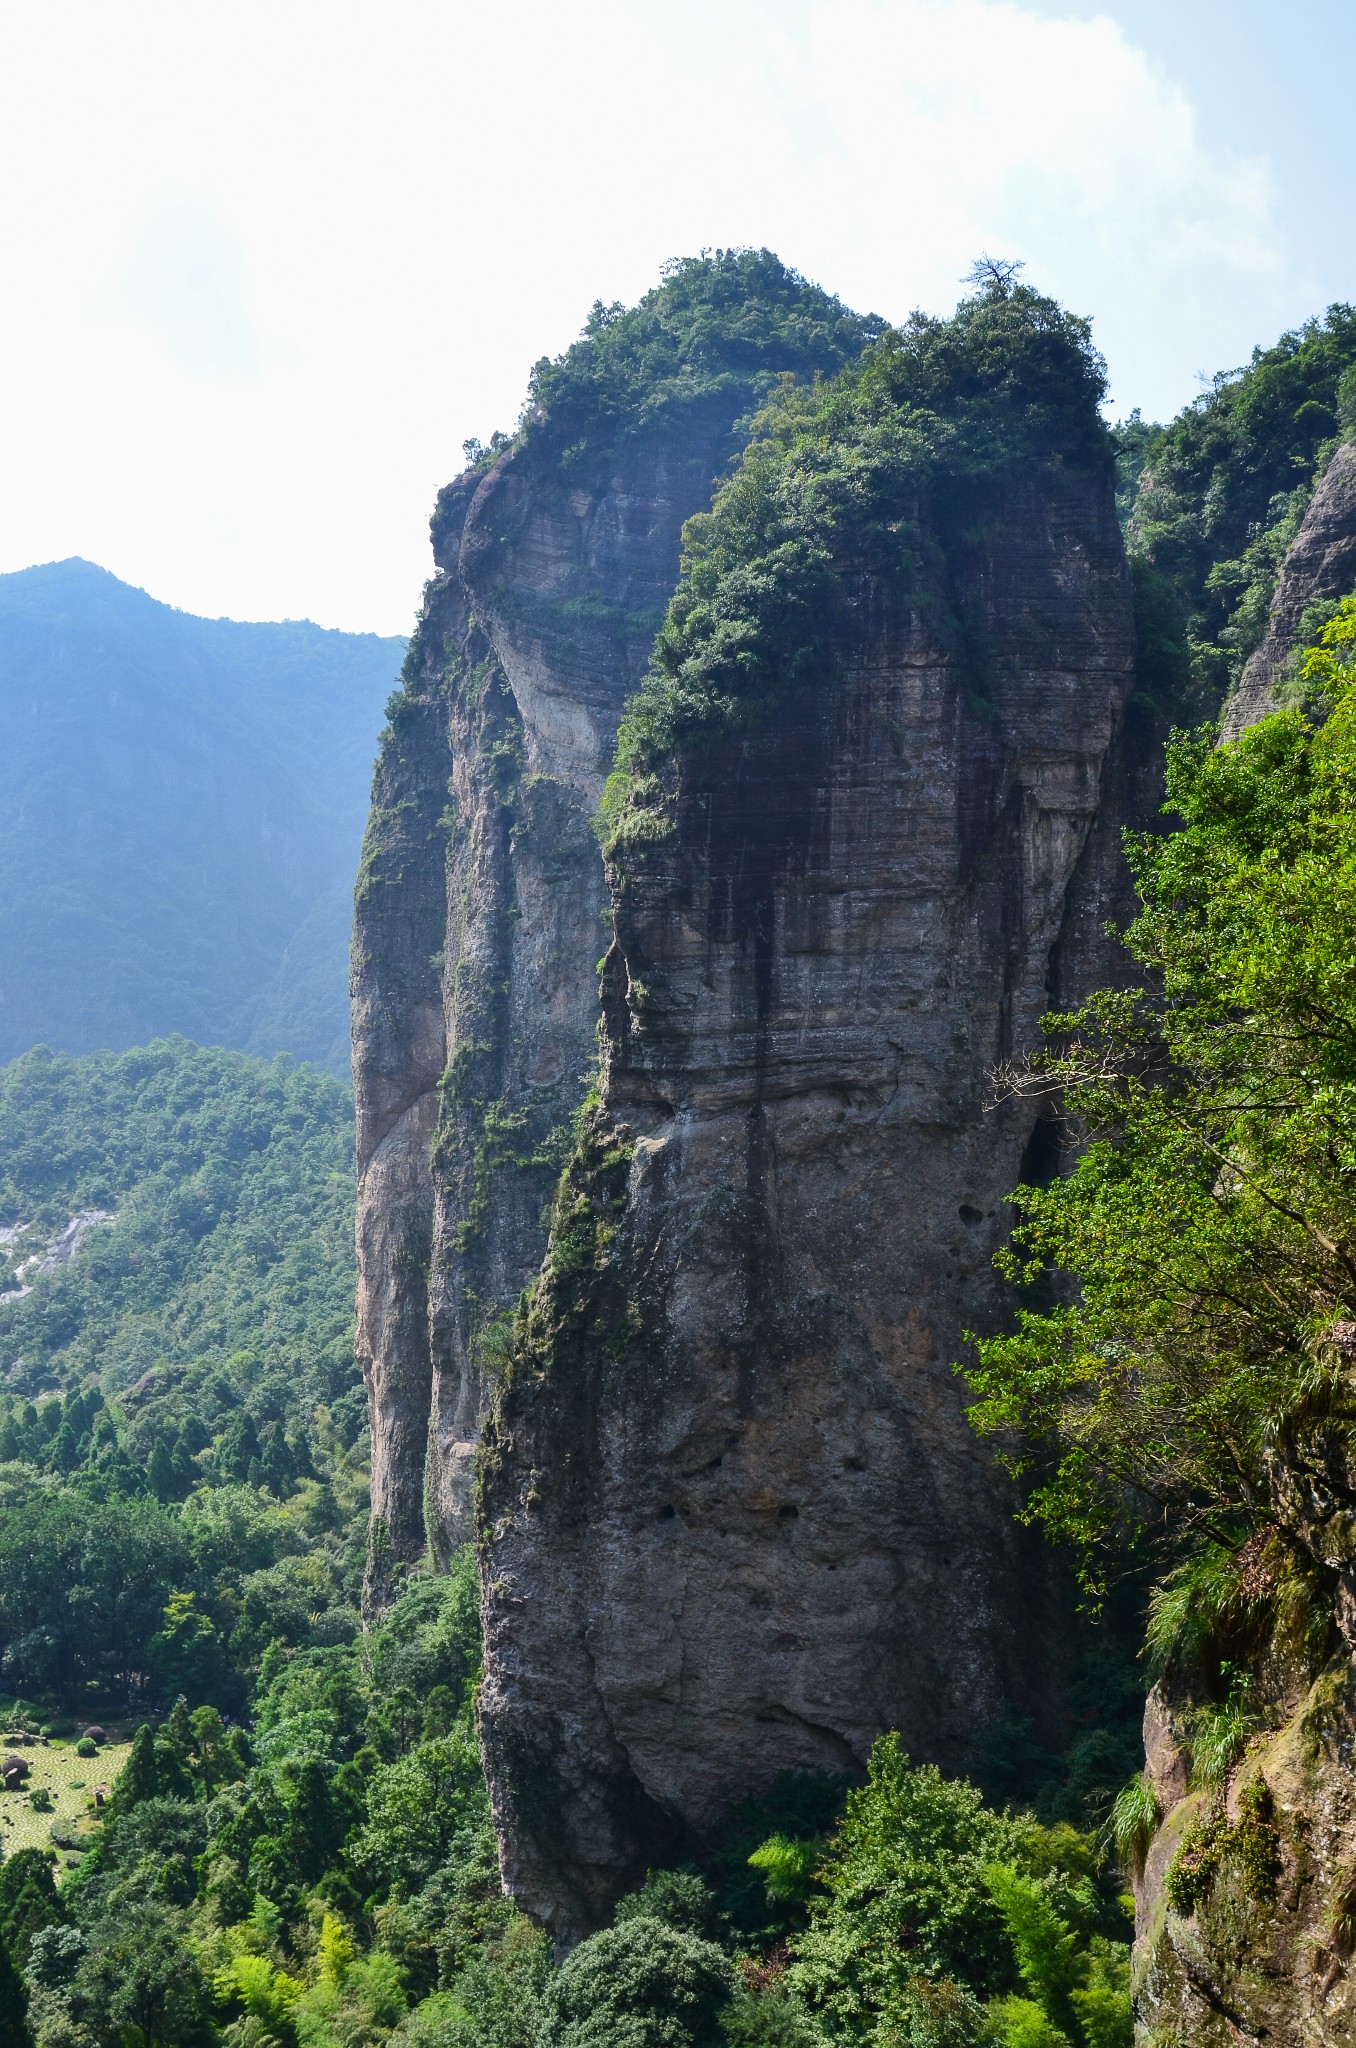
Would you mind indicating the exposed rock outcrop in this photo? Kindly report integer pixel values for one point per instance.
(735, 1521)
(479, 917)
(1320, 565)
(1256, 1943)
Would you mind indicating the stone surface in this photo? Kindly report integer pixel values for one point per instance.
(735, 1521)
(1248, 1963)
(479, 921)
(1320, 564)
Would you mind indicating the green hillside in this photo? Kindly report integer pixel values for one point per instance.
(219, 1300)
(181, 807)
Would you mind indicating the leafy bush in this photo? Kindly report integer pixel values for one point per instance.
(678, 1898)
(640, 1985)
(940, 1920)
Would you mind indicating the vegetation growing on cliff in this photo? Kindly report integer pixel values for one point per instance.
(1201, 1378)
(1223, 488)
(876, 471)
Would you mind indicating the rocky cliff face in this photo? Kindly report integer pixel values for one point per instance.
(734, 1520)
(1246, 1917)
(1319, 568)
(480, 903)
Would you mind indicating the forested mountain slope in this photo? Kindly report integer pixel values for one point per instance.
(181, 805)
(211, 1295)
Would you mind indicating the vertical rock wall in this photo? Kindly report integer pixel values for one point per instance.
(1320, 567)
(735, 1521)
(479, 926)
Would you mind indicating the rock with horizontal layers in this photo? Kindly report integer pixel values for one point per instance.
(735, 1522)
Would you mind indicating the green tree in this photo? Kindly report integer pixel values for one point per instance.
(29, 1900)
(905, 1895)
(417, 1805)
(186, 1653)
(160, 1471)
(14, 2032)
(1205, 1370)
(640, 1985)
(152, 1771)
(139, 1982)
(65, 1452)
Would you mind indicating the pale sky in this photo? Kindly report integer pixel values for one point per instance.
(267, 265)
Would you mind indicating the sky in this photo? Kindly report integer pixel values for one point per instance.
(265, 267)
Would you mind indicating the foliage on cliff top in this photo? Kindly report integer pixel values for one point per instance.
(1202, 1375)
(841, 472)
(725, 323)
(1224, 486)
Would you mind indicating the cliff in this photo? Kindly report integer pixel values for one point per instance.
(1245, 1905)
(733, 1519)
(480, 901)
(1319, 568)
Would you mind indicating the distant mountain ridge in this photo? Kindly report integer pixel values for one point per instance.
(181, 810)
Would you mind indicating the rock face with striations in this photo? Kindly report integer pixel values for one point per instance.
(734, 1521)
(479, 917)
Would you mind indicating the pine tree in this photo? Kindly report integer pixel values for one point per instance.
(186, 1473)
(179, 1728)
(274, 1461)
(160, 1471)
(65, 1449)
(240, 1446)
(139, 1777)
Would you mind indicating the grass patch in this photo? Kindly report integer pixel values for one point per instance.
(70, 1779)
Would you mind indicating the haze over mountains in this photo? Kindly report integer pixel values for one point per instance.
(181, 810)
